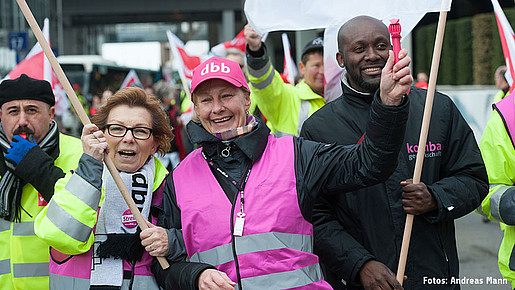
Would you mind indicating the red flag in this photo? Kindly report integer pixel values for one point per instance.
(238, 42)
(186, 62)
(36, 65)
(186, 65)
(131, 80)
(507, 41)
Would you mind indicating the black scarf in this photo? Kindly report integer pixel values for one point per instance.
(11, 186)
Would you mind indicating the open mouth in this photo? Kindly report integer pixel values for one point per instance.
(127, 154)
(222, 120)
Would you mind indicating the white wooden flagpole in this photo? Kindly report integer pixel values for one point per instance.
(83, 116)
(423, 138)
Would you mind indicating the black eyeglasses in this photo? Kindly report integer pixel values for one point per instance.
(140, 133)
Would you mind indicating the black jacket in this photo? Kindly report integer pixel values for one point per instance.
(318, 167)
(365, 224)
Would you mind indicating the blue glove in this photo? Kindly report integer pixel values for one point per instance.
(19, 147)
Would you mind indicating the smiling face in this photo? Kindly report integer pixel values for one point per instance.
(26, 116)
(313, 72)
(221, 106)
(130, 154)
(364, 43)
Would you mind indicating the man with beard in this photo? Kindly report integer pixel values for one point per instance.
(34, 156)
(358, 235)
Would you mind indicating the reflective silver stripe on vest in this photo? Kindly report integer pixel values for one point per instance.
(5, 267)
(141, 282)
(284, 280)
(254, 243)
(266, 82)
(30, 270)
(279, 134)
(67, 223)
(58, 282)
(259, 72)
(5, 225)
(480, 210)
(82, 190)
(303, 113)
(491, 186)
(495, 200)
(23, 229)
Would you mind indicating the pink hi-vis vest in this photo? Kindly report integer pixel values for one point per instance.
(506, 109)
(275, 250)
(74, 272)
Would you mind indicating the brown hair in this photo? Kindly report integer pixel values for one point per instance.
(306, 56)
(136, 97)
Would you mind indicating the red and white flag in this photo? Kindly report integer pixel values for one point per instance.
(131, 80)
(507, 41)
(292, 14)
(36, 65)
(290, 68)
(237, 42)
(186, 62)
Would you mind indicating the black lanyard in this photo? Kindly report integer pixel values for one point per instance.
(240, 188)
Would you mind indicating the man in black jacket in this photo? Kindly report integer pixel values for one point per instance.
(358, 235)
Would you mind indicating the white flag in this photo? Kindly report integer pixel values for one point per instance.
(507, 41)
(187, 63)
(290, 68)
(331, 14)
(131, 80)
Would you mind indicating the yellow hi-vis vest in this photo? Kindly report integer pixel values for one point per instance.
(24, 257)
(285, 106)
(497, 149)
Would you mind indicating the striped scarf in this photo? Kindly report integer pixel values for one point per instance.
(11, 186)
(229, 134)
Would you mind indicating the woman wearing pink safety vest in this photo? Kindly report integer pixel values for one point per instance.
(239, 212)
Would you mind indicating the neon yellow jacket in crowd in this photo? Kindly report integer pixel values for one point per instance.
(285, 106)
(67, 225)
(24, 257)
(71, 202)
(499, 205)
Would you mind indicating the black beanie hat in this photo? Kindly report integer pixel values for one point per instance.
(313, 45)
(26, 88)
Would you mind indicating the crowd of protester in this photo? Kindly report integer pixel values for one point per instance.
(267, 187)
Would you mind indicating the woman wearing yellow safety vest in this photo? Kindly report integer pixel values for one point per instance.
(93, 236)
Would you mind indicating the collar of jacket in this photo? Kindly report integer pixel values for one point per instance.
(352, 96)
(252, 144)
(306, 93)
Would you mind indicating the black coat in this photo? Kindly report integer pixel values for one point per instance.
(365, 224)
(318, 168)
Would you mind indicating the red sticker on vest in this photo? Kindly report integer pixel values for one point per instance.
(41, 200)
(128, 220)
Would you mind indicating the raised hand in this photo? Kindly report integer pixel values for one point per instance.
(19, 148)
(253, 39)
(94, 142)
(396, 78)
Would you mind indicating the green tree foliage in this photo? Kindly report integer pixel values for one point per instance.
(471, 49)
